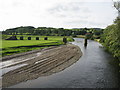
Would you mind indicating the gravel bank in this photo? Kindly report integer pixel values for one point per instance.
(50, 61)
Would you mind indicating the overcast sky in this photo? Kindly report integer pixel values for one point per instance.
(56, 13)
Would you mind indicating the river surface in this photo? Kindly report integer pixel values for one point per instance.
(92, 70)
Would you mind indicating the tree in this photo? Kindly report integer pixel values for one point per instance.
(111, 35)
(117, 6)
(111, 39)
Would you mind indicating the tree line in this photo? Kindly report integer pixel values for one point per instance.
(49, 31)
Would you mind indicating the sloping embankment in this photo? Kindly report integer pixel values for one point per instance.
(48, 62)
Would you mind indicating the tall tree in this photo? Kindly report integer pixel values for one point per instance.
(111, 35)
(117, 6)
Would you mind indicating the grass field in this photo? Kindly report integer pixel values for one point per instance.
(10, 47)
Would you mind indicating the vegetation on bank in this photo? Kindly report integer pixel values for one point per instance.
(10, 47)
(111, 38)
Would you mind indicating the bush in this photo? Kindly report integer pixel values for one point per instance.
(111, 38)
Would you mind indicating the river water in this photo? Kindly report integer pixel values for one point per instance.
(92, 70)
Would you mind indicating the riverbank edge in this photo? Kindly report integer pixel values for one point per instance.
(61, 66)
(5, 58)
(66, 64)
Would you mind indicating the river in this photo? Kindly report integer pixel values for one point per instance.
(92, 70)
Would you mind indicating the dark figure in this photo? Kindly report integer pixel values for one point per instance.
(37, 38)
(46, 38)
(65, 40)
(85, 43)
(21, 38)
(12, 38)
(29, 38)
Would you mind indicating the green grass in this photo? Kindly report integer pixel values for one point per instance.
(80, 36)
(10, 47)
(98, 40)
(13, 43)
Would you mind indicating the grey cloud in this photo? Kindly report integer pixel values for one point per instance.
(84, 23)
(68, 9)
(17, 4)
(97, 23)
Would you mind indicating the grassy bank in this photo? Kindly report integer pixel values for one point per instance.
(10, 47)
(83, 36)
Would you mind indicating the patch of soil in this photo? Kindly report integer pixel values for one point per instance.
(50, 61)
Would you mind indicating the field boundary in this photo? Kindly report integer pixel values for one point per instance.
(5, 58)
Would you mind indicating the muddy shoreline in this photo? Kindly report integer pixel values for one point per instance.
(5, 58)
(50, 61)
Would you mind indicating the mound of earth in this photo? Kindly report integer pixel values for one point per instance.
(50, 61)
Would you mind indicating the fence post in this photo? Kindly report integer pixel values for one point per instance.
(85, 42)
